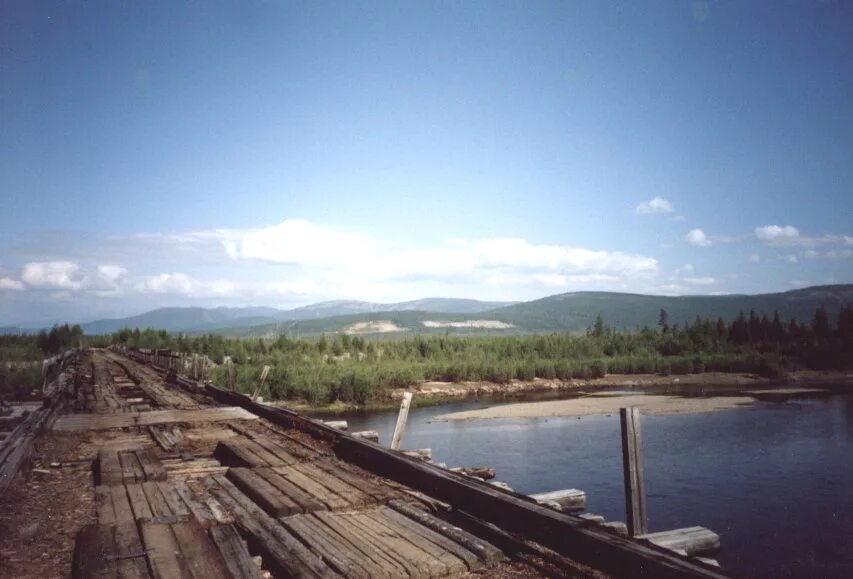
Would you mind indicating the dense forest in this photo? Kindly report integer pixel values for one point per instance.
(352, 369)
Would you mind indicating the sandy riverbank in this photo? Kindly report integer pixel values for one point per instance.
(586, 406)
(717, 381)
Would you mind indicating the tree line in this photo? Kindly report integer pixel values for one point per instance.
(358, 370)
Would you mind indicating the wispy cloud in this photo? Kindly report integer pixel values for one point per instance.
(788, 235)
(655, 205)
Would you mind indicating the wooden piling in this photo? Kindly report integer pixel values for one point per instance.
(632, 466)
(401, 421)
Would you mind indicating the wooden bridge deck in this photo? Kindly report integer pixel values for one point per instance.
(180, 482)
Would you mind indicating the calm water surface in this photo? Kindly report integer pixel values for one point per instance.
(775, 481)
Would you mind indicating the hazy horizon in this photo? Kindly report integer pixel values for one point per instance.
(281, 154)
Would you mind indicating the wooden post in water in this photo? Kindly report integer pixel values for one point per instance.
(632, 466)
(401, 421)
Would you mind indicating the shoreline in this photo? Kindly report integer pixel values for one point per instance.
(432, 393)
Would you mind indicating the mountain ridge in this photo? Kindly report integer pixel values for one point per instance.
(571, 311)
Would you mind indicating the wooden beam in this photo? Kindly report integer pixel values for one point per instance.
(401, 421)
(632, 468)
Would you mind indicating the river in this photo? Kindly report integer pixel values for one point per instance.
(775, 481)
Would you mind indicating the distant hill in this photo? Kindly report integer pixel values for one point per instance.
(578, 310)
(184, 319)
(572, 312)
(350, 307)
(220, 320)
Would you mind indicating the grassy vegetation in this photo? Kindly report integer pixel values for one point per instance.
(20, 357)
(354, 370)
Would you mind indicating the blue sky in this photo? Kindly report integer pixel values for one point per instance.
(280, 153)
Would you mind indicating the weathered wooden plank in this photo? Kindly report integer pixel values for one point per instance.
(361, 542)
(304, 501)
(199, 509)
(331, 500)
(121, 504)
(200, 553)
(268, 458)
(632, 466)
(419, 536)
(482, 549)
(275, 448)
(236, 453)
(164, 553)
(566, 499)
(152, 468)
(469, 560)
(173, 499)
(691, 540)
(104, 505)
(234, 552)
(94, 553)
(131, 556)
(139, 502)
(159, 506)
(416, 562)
(281, 550)
(130, 419)
(109, 468)
(354, 496)
(267, 496)
(327, 548)
(380, 492)
(131, 468)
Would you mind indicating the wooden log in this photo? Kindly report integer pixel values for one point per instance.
(691, 540)
(367, 435)
(421, 453)
(632, 467)
(338, 424)
(502, 485)
(480, 472)
(566, 499)
(400, 427)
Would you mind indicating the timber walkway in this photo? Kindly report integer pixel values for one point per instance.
(146, 474)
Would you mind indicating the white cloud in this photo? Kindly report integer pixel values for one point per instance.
(772, 233)
(53, 275)
(697, 238)
(7, 283)
(298, 242)
(788, 235)
(791, 258)
(686, 268)
(704, 280)
(345, 257)
(655, 205)
(182, 284)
